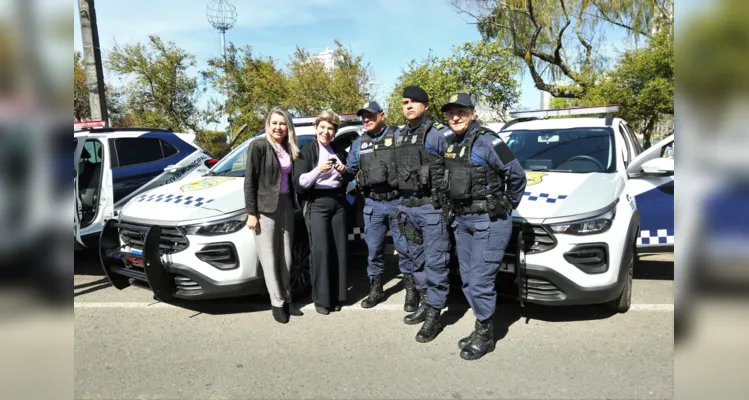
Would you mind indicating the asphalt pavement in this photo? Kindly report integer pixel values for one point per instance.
(127, 345)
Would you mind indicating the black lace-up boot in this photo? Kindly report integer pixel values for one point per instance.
(412, 295)
(421, 312)
(376, 295)
(432, 326)
(481, 343)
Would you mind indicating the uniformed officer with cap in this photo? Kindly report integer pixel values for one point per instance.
(372, 161)
(484, 183)
(417, 149)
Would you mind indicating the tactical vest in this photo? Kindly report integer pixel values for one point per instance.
(467, 183)
(377, 171)
(413, 160)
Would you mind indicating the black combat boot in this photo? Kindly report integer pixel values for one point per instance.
(464, 342)
(376, 295)
(412, 295)
(432, 326)
(481, 343)
(421, 312)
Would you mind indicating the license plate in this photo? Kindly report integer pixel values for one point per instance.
(136, 261)
(137, 252)
(507, 267)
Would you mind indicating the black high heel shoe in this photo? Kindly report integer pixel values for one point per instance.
(280, 315)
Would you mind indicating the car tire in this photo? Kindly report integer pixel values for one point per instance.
(622, 303)
(299, 275)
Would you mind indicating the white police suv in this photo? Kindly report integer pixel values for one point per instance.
(593, 200)
(114, 165)
(189, 239)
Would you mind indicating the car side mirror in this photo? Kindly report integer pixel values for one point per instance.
(659, 166)
(210, 162)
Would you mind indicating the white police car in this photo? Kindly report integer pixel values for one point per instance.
(114, 165)
(593, 200)
(189, 240)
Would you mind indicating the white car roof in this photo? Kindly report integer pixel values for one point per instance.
(187, 137)
(562, 123)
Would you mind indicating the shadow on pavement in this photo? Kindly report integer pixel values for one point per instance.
(654, 269)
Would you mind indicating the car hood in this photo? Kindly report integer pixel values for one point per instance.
(188, 199)
(561, 194)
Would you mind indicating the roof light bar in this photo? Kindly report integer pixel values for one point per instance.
(88, 124)
(559, 112)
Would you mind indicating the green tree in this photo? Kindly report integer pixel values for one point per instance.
(313, 87)
(484, 70)
(252, 84)
(555, 38)
(642, 83)
(159, 91)
(81, 106)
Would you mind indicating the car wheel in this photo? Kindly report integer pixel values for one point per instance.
(624, 301)
(299, 275)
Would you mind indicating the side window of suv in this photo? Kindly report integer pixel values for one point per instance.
(134, 151)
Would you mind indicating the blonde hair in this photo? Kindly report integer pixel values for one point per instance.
(290, 138)
(329, 116)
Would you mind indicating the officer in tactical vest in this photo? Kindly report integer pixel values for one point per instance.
(372, 161)
(416, 151)
(484, 183)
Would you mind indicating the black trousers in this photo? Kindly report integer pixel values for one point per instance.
(326, 225)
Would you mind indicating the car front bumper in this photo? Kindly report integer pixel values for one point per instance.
(180, 275)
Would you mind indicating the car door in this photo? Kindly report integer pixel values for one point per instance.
(651, 182)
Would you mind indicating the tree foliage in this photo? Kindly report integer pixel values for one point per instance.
(642, 83)
(81, 105)
(484, 70)
(314, 87)
(159, 91)
(559, 38)
(252, 84)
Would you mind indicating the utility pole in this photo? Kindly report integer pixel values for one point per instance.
(92, 59)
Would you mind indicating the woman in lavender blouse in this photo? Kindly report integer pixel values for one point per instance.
(270, 200)
(320, 176)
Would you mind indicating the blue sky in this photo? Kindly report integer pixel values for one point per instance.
(387, 33)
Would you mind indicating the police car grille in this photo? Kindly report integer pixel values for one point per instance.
(186, 285)
(537, 239)
(541, 289)
(172, 239)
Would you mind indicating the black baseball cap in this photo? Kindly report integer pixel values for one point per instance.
(371, 107)
(458, 99)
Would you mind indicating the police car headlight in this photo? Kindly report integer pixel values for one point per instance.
(220, 227)
(590, 226)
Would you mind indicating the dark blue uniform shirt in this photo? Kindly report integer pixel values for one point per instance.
(352, 161)
(483, 154)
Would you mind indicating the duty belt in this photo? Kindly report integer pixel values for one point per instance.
(414, 199)
(383, 196)
(477, 207)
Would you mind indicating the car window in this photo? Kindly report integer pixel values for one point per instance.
(302, 140)
(134, 151)
(577, 150)
(168, 149)
(628, 150)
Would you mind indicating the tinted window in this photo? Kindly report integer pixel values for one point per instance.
(168, 149)
(133, 151)
(579, 150)
(302, 140)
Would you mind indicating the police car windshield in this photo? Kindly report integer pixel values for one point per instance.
(577, 150)
(235, 163)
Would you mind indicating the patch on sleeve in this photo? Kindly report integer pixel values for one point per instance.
(447, 133)
(438, 125)
(503, 151)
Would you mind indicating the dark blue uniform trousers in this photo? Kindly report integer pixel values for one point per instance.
(480, 243)
(379, 217)
(433, 256)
